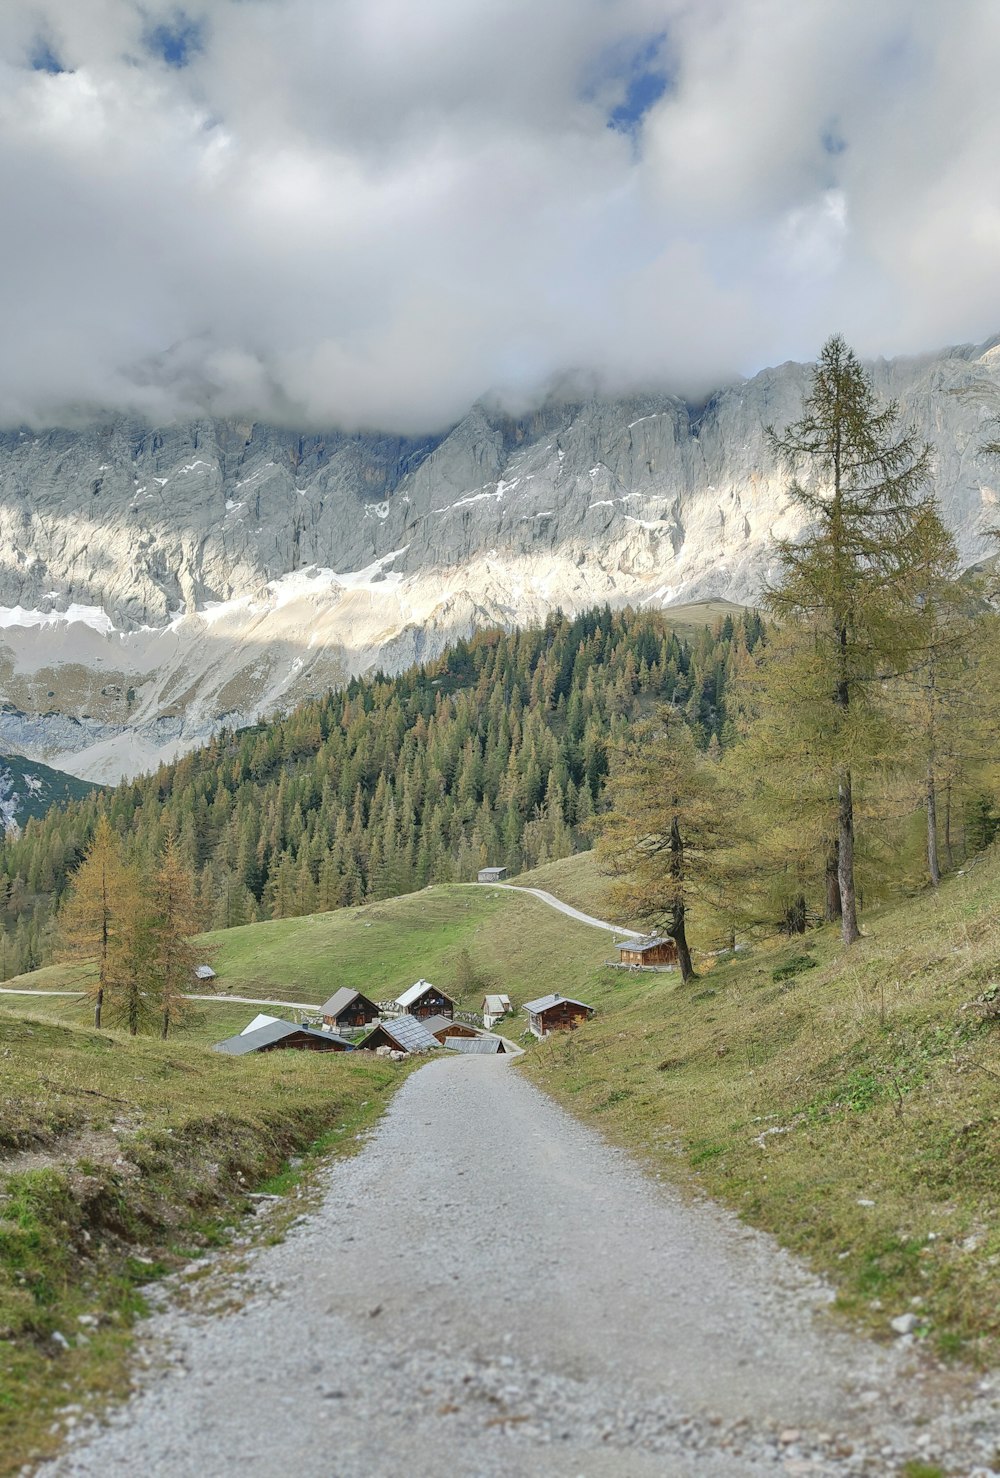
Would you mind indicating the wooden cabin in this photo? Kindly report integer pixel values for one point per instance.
(347, 1010)
(492, 874)
(556, 1013)
(281, 1036)
(401, 1034)
(655, 950)
(443, 1026)
(423, 1000)
(494, 1007)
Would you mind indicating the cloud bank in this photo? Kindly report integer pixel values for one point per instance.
(368, 212)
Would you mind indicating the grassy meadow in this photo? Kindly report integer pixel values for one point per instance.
(380, 949)
(850, 1104)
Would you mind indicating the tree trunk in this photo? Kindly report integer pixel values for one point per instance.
(932, 841)
(166, 1024)
(849, 931)
(98, 1004)
(834, 909)
(678, 934)
(948, 855)
(677, 930)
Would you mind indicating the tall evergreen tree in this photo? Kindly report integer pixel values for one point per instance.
(851, 580)
(662, 826)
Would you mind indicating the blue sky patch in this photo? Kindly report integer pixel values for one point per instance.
(44, 59)
(178, 42)
(647, 77)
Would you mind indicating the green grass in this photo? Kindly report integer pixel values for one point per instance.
(381, 949)
(799, 1094)
(121, 1158)
(577, 881)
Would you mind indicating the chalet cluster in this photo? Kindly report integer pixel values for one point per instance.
(422, 1019)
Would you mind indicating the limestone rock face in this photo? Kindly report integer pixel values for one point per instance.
(154, 581)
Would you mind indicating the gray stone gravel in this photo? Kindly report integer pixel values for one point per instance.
(490, 1289)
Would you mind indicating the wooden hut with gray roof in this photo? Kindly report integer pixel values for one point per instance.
(443, 1026)
(281, 1036)
(485, 1045)
(347, 1010)
(556, 1013)
(401, 1034)
(424, 999)
(656, 950)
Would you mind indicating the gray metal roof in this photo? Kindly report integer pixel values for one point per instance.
(544, 1002)
(434, 1024)
(496, 1005)
(410, 1034)
(340, 1000)
(484, 1045)
(266, 1036)
(641, 944)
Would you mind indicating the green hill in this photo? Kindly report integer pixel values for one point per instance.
(846, 1102)
(524, 946)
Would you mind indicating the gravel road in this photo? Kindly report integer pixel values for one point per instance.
(567, 909)
(489, 1289)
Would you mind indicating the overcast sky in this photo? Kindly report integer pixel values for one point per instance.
(369, 212)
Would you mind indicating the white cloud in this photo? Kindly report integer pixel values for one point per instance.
(370, 211)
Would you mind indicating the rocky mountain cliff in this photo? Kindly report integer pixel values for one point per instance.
(154, 581)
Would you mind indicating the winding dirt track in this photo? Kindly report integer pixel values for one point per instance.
(489, 1289)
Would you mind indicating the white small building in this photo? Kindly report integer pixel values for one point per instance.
(494, 1007)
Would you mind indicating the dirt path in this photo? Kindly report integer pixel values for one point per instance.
(567, 909)
(219, 998)
(488, 1290)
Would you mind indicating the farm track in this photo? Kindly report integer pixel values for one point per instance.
(489, 1290)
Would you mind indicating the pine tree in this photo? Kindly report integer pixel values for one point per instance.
(174, 957)
(850, 581)
(90, 921)
(661, 828)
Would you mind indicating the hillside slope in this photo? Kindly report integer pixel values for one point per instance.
(28, 788)
(846, 1102)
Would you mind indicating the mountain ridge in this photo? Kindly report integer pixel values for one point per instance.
(159, 581)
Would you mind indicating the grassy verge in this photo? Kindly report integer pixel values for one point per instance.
(120, 1161)
(846, 1103)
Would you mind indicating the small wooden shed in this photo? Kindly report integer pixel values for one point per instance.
(656, 950)
(424, 999)
(495, 1007)
(401, 1034)
(492, 874)
(348, 1008)
(442, 1027)
(556, 1013)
